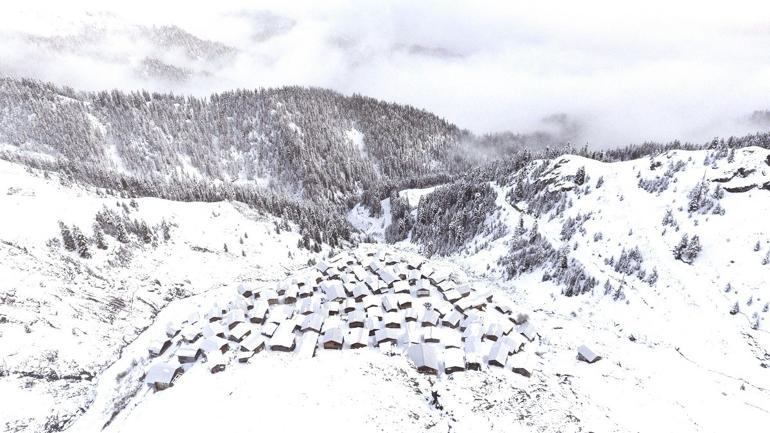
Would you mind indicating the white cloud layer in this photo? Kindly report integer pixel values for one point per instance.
(629, 73)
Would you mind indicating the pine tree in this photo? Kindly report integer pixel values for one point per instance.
(653, 278)
(67, 238)
(226, 250)
(680, 248)
(693, 249)
(99, 237)
(580, 176)
(81, 242)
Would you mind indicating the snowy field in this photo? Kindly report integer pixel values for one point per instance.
(676, 354)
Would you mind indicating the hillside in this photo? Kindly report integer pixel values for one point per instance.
(64, 318)
(127, 217)
(314, 142)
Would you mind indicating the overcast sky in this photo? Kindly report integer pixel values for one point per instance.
(655, 71)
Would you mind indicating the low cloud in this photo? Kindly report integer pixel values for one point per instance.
(618, 73)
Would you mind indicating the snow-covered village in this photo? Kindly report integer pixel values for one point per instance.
(384, 217)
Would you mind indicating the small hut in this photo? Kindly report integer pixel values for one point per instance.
(498, 354)
(188, 354)
(332, 339)
(454, 360)
(424, 358)
(357, 338)
(162, 375)
(587, 355)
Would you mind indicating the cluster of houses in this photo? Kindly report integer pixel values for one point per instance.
(363, 299)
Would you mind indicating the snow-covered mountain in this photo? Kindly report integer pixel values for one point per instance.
(655, 257)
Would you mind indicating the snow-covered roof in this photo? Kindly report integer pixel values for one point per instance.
(333, 289)
(454, 360)
(424, 357)
(358, 337)
(283, 338)
(587, 355)
(498, 354)
(253, 342)
(401, 286)
(162, 373)
(313, 322)
(333, 335)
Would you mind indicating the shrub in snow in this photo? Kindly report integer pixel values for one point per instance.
(735, 309)
(757, 246)
(687, 249)
(630, 261)
(67, 238)
(653, 278)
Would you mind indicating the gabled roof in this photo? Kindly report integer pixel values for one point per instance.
(213, 344)
(361, 290)
(313, 322)
(387, 276)
(213, 328)
(188, 351)
(356, 316)
(357, 337)
(331, 322)
(373, 323)
(332, 335)
(283, 338)
(429, 318)
(424, 357)
(360, 272)
(240, 330)
(307, 345)
(452, 319)
(401, 286)
(333, 289)
(389, 302)
(162, 372)
(450, 338)
(413, 333)
(452, 295)
(587, 355)
(498, 354)
(393, 317)
(253, 342)
(322, 266)
(431, 335)
(388, 334)
(268, 329)
(523, 364)
(371, 301)
(528, 330)
(454, 360)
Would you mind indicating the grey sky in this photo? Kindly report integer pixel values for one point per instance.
(653, 71)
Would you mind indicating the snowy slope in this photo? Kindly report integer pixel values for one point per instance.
(674, 358)
(671, 348)
(63, 318)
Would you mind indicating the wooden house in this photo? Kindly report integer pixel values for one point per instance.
(162, 375)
